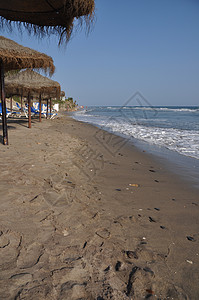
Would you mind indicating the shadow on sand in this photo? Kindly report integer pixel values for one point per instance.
(12, 124)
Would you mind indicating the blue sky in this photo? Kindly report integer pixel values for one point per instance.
(150, 46)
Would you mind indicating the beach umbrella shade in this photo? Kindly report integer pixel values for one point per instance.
(14, 57)
(29, 83)
(47, 16)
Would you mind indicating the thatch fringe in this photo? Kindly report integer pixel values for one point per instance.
(15, 56)
(28, 81)
(44, 19)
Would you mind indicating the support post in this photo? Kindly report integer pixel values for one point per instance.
(21, 102)
(40, 107)
(3, 104)
(50, 107)
(11, 104)
(47, 110)
(29, 111)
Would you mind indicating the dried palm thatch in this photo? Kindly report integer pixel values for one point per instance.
(28, 81)
(15, 56)
(47, 16)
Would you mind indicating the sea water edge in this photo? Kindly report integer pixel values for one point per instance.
(169, 133)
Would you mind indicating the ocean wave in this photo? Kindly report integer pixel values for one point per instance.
(111, 107)
(183, 141)
(176, 132)
(179, 109)
(166, 109)
(83, 111)
(154, 108)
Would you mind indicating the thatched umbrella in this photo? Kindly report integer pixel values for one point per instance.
(47, 16)
(12, 57)
(29, 83)
(15, 57)
(62, 94)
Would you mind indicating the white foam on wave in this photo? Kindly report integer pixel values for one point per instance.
(183, 141)
(166, 109)
(80, 112)
(154, 108)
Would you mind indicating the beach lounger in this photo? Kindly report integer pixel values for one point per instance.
(36, 105)
(8, 113)
(24, 109)
(17, 104)
(36, 112)
(52, 115)
(15, 112)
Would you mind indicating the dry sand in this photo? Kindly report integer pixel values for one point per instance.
(85, 215)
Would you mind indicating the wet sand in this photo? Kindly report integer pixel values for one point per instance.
(85, 215)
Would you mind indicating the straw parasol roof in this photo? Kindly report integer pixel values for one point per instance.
(47, 16)
(29, 81)
(15, 56)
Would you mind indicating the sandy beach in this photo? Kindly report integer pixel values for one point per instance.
(86, 215)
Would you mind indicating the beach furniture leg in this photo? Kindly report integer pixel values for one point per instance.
(29, 111)
(40, 107)
(3, 103)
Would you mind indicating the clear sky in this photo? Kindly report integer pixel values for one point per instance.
(150, 46)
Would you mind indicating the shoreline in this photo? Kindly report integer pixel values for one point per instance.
(175, 162)
(86, 215)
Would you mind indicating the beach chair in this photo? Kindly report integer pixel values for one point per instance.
(35, 112)
(36, 105)
(15, 112)
(8, 113)
(24, 109)
(52, 115)
(17, 104)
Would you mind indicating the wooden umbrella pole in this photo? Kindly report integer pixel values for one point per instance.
(50, 107)
(47, 110)
(40, 107)
(29, 111)
(3, 104)
(11, 104)
(21, 102)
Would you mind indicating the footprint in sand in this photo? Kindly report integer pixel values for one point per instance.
(103, 233)
(60, 190)
(29, 256)
(9, 249)
(131, 254)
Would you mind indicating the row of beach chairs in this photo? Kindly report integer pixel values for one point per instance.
(24, 112)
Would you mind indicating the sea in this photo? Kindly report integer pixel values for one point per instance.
(169, 132)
